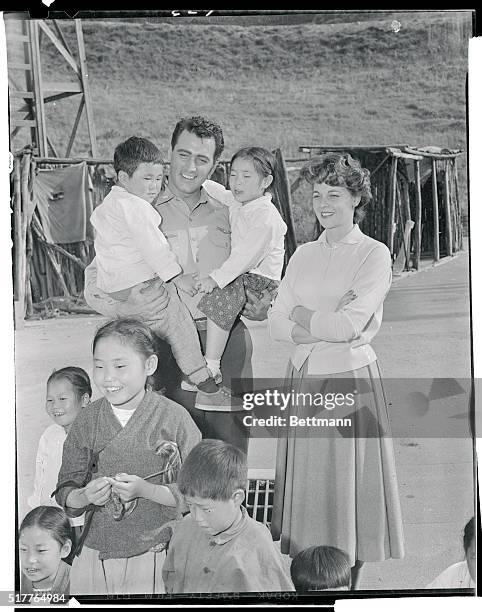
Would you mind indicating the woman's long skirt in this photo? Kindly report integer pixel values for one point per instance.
(337, 485)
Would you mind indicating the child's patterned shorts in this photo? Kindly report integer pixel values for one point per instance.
(224, 305)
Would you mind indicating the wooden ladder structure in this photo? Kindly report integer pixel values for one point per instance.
(29, 92)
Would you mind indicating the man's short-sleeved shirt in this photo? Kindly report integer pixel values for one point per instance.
(200, 238)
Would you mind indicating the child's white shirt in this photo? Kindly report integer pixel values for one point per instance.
(257, 237)
(47, 467)
(457, 576)
(129, 246)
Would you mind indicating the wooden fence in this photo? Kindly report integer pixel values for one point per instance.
(413, 215)
(415, 212)
(48, 275)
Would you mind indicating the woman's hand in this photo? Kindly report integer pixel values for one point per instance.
(346, 299)
(302, 316)
(97, 491)
(128, 486)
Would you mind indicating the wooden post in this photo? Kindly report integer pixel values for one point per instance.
(85, 83)
(457, 199)
(408, 218)
(436, 244)
(17, 219)
(38, 88)
(418, 215)
(448, 213)
(282, 191)
(393, 196)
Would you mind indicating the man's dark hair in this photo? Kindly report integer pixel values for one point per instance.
(134, 151)
(202, 128)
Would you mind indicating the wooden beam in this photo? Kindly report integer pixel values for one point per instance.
(418, 216)
(60, 96)
(85, 83)
(37, 85)
(433, 155)
(52, 147)
(60, 34)
(60, 48)
(76, 125)
(23, 122)
(19, 66)
(15, 93)
(66, 86)
(448, 213)
(393, 195)
(436, 244)
(457, 198)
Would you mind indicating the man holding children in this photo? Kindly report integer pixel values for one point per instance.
(197, 228)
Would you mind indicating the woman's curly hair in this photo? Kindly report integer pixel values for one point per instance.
(340, 170)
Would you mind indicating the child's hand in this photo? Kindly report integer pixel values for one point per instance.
(207, 284)
(346, 299)
(186, 283)
(97, 491)
(128, 486)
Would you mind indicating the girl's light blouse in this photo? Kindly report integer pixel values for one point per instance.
(317, 277)
(47, 467)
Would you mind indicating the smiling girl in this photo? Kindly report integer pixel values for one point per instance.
(257, 250)
(45, 540)
(68, 391)
(114, 447)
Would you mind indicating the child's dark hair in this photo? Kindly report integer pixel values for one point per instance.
(469, 533)
(134, 151)
(320, 567)
(51, 519)
(78, 378)
(129, 331)
(213, 469)
(341, 170)
(263, 161)
(202, 128)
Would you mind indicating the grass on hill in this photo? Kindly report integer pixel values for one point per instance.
(329, 83)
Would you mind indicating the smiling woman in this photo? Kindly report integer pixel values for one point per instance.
(341, 483)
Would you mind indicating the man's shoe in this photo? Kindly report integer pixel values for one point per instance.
(221, 401)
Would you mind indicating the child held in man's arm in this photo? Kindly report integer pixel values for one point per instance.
(218, 547)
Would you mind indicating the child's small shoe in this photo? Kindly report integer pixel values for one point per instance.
(222, 401)
(187, 385)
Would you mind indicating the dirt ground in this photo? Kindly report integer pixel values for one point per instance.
(425, 334)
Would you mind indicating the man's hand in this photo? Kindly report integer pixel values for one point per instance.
(186, 283)
(256, 308)
(207, 284)
(145, 301)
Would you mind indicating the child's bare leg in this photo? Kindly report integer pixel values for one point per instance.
(216, 341)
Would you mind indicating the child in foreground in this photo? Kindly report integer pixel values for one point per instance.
(461, 575)
(218, 547)
(257, 250)
(131, 250)
(45, 540)
(68, 391)
(321, 568)
(114, 463)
